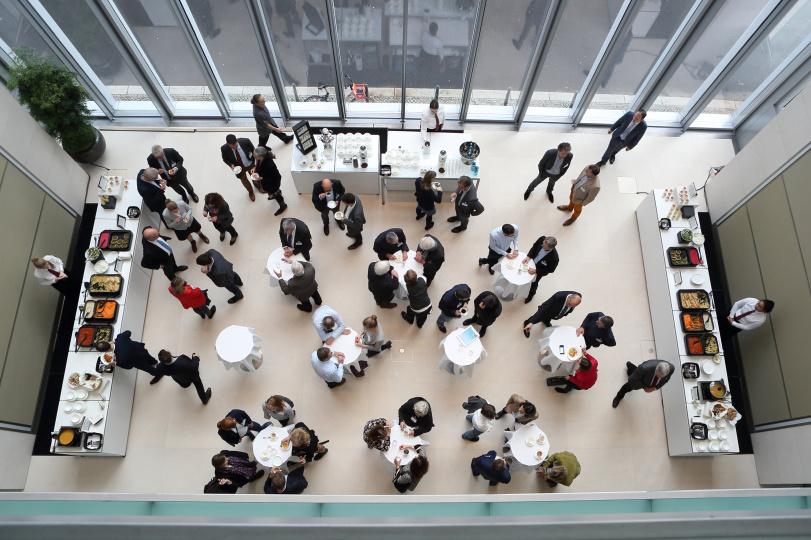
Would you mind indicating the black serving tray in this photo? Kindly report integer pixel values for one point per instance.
(106, 239)
(682, 307)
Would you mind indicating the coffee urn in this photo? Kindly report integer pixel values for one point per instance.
(364, 162)
(443, 157)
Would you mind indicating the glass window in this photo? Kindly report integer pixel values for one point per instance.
(304, 55)
(438, 35)
(726, 28)
(497, 83)
(652, 29)
(578, 39)
(239, 62)
(84, 31)
(158, 33)
(778, 45)
(366, 62)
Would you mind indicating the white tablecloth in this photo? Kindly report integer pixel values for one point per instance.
(346, 344)
(398, 438)
(238, 347)
(511, 283)
(520, 451)
(456, 358)
(275, 263)
(554, 337)
(401, 268)
(276, 455)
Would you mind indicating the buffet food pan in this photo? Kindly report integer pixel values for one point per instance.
(88, 335)
(101, 311)
(115, 240)
(682, 256)
(693, 299)
(692, 321)
(106, 285)
(701, 345)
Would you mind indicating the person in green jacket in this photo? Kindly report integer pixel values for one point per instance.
(559, 468)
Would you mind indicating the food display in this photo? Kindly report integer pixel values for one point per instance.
(694, 299)
(678, 256)
(89, 335)
(104, 285)
(694, 345)
(85, 336)
(701, 345)
(89, 309)
(718, 410)
(101, 310)
(115, 240)
(572, 352)
(692, 323)
(710, 344)
(74, 380)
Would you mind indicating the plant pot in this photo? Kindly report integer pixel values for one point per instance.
(93, 152)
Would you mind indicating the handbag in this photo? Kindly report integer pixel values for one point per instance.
(208, 300)
(474, 403)
(556, 381)
(402, 488)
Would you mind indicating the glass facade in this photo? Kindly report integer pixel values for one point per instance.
(486, 60)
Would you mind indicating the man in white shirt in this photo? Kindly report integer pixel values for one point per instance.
(432, 119)
(748, 314)
(482, 420)
(324, 367)
(503, 243)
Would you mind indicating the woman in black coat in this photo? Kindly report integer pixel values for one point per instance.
(305, 443)
(269, 176)
(488, 308)
(219, 214)
(427, 198)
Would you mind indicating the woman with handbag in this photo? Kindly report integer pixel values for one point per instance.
(583, 379)
(191, 297)
(268, 176)
(406, 477)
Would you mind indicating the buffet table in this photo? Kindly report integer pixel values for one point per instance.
(412, 142)
(669, 288)
(108, 408)
(360, 180)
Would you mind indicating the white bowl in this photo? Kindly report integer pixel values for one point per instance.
(80, 406)
(101, 266)
(725, 446)
(697, 279)
(723, 435)
(721, 422)
(530, 441)
(81, 393)
(713, 434)
(68, 408)
(714, 446)
(702, 447)
(339, 216)
(711, 423)
(265, 455)
(237, 170)
(71, 395)
(76, 419)
(395, 171)
(707, 367)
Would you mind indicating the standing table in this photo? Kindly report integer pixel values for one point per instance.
(267, 447)
(456, 358)
(524, 446)
(345, 343)
(238, 347)
(397, 438)
(554, 337)
(275, 263)
(510, 280)
(401, 267)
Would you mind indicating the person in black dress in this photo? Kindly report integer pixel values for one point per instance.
(269, 175)
(427, 198)
(219, 214)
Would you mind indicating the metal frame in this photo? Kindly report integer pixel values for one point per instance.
(268, 51)
(764, 23)
(122, 37)
(337, 67)
(467, 80)
(610, 49)
(189, 27)
(404, 84)
(553, 16)
(58, 42)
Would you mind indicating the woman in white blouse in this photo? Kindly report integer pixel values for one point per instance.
(51, 271)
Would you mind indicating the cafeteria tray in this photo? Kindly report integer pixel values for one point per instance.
(690, 253)
(704, 317)
(108, 278)
(102, 332)
(122, 239)
(108, 320)
(700, 292)
(705, 341)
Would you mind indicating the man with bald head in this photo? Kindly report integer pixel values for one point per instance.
(556, 307)
(158, 254)
(649, 376)
(152, 189)
(327, 198)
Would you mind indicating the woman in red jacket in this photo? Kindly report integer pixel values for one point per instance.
(585, 376)
(191, 297)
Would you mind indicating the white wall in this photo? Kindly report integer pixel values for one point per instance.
(786, 136)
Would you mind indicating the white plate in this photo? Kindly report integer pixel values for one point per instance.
(80, 406)
(81, 393)
(277, 461)
(331, 204)
(530, 441)
(707, 367)
(711, 423)
(69, 408)
(510, 265)
(339, 216)
(721, 422)
(702, 447)
(723, 435)
(76, 419)
(70, 384)
(265, 455)
(101, 266)
(71, 395)
(713, 434)
(697, 279)
(237, 170)
(255, 176)
(714, 446)
(725, 446)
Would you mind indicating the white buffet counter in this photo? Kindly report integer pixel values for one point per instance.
(681, 408)
(111, 405)
(360, 180)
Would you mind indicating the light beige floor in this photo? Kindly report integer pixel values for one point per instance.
(172, 436)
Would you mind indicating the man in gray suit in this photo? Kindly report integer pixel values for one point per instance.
(353, 219)
(221, 272)
(650, 375)
(466, 203)
(302, 286)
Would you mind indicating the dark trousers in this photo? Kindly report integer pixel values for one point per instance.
(223, 229)
(429, 273)
(540, 178)
(569, 387)
(234, 286)
(204, 311)
(358, 236)
(533, 287)
(149, 368)
(307, 306)
(484, 327)
(178, 183)
(614, 146)
(325, 217)
(170, 269)
(629, 369)
(384, 299)
(420, 317)
(198, 385)
(493, 257)
(463, 219)
(263, 139)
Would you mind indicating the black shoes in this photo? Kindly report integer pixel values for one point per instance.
(212, 311)
(442, 328)
(611, 160)
(181, 268)
(195, 198)
(600, 163)
(616, 402)
(420, 215)
(280, 210)
(326, 229)
(482, 262)
(405, 317)
(526, 195)
(453, 219)
(466, 322)
(529, 299)
(324, 453)
(155, 379)
(207, 396)
(490, 269)
(306, 308)
(356, 245)
(458, 229)
(517, 44)
(550, 196)
(235, 299)
(428, 226)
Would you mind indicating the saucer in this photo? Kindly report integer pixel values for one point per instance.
(530, 441)
(265, 455)
(277, 461)
(237, 170)
(331, 204)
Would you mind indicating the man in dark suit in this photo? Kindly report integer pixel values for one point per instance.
(130, 354)
(431, 254)
(383, 281)
(325, 192)
(650, 375)
(545, 255)
(627, 132)
(152, 189)
(279, 483)
(221, 272)
(389, 243)
(553, 165)
(295, 237)
(169, 164)
(596, 330)
(486, 309)
(302, 285)
(353, 219)
(466, 203)
(158, 254)
(184, 370)
(491, 467)
(236, 425)
(239, 153)
(556, 307)
(416, 414)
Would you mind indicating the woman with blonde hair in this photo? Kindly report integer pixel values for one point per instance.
(177, 217)
(427, 198)
(305, 443)
(279, 408)
(51, 271)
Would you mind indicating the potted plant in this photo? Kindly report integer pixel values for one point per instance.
(57, 101)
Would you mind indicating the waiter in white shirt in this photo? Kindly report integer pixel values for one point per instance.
(432, 119)
(748, 314)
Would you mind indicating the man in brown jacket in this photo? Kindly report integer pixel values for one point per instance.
(302, 286)
(523, 411)
(585, 188)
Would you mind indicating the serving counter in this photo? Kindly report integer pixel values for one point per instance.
(358, 180)
(669, 288)
(108, 408)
